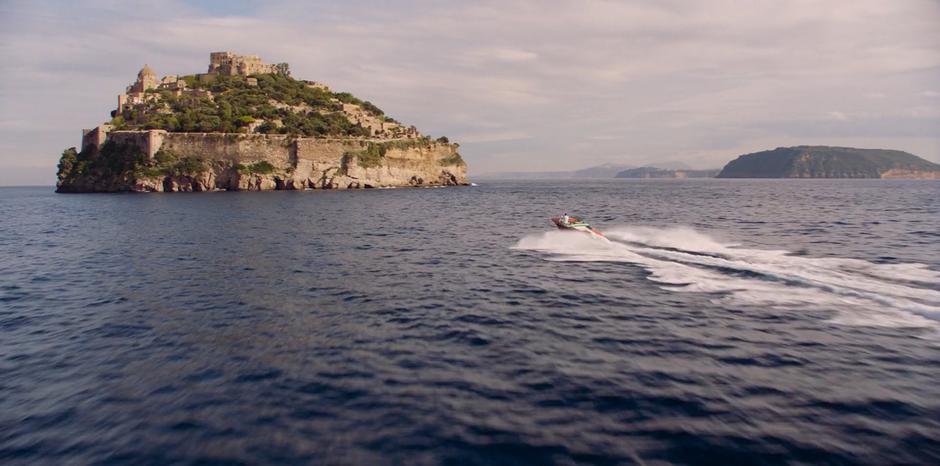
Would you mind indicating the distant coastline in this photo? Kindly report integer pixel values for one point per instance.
(782, 162)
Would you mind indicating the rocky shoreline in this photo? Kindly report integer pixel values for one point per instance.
(157, 161)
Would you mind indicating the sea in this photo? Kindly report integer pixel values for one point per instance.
(723, 322)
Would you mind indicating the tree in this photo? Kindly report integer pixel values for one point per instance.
(67, 162)
(283, 69)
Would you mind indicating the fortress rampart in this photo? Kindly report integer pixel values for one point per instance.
(297, 163)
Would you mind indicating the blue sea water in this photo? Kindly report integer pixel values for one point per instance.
(726, 322)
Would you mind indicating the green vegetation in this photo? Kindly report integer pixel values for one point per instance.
(286, 106)
(454, 159)
(823, 162)
(374, 153)
(372, 109)
(405, 144)
(371, 156)
(347, 98)
(114, 161)
(167, 163)
(257, 168)
(67, 163)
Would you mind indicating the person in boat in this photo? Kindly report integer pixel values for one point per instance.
(566, 219)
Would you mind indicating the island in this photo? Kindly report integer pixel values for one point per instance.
(830, 162)
(246, 125)
(660, 173)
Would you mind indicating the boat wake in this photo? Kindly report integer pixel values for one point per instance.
(684, 260)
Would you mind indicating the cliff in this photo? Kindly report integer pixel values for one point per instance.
(658, 173)
(251, 162)
(267, 131)
(830, 162)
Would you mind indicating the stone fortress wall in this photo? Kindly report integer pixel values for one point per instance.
(300, 163)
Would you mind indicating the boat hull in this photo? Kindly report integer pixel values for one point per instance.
(577, 226)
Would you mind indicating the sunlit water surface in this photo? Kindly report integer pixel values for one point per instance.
(725, 322)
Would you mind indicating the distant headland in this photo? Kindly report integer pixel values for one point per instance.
(248, 125)
(830, 162)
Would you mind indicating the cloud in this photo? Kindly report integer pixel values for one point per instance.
(501, 54)
(492, 136)
(580, 80)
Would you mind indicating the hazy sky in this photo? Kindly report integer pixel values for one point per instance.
(522, 85)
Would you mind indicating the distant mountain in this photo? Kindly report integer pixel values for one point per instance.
(672, 165)
(607, 170)
(654, 172)
(559, 175)
(830, 162)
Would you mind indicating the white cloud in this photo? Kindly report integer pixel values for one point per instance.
(491, 136)
(501, 54)
(577, 79)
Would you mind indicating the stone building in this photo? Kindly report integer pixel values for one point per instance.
(146, 79)
(228, 63)
(136, 93)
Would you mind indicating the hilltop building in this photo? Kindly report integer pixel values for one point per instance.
(220, 63)
(135, 93)
(230, 64)
(149, 89)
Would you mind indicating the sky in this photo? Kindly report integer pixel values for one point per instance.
(521, 85)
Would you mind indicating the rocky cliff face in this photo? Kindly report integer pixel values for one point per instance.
(830, 162)
(194, 162)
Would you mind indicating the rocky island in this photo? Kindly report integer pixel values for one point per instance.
(830, 162)
(248, 125)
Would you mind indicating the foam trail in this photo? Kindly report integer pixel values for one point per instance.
(682, 259)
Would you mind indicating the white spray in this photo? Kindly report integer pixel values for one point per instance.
(684, 260)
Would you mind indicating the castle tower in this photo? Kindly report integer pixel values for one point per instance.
(230, 64)
(146, 79)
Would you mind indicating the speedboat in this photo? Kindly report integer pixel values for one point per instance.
(576, 224)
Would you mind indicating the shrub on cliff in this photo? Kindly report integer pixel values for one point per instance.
(371, 108)
(258, 168)
(454, 159)
(113, 162)
(67, 163)
(372, 156)
(167, 163)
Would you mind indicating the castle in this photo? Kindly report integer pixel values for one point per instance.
(220, 63)
(148, 88)
(386, 154)
(230, 64)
